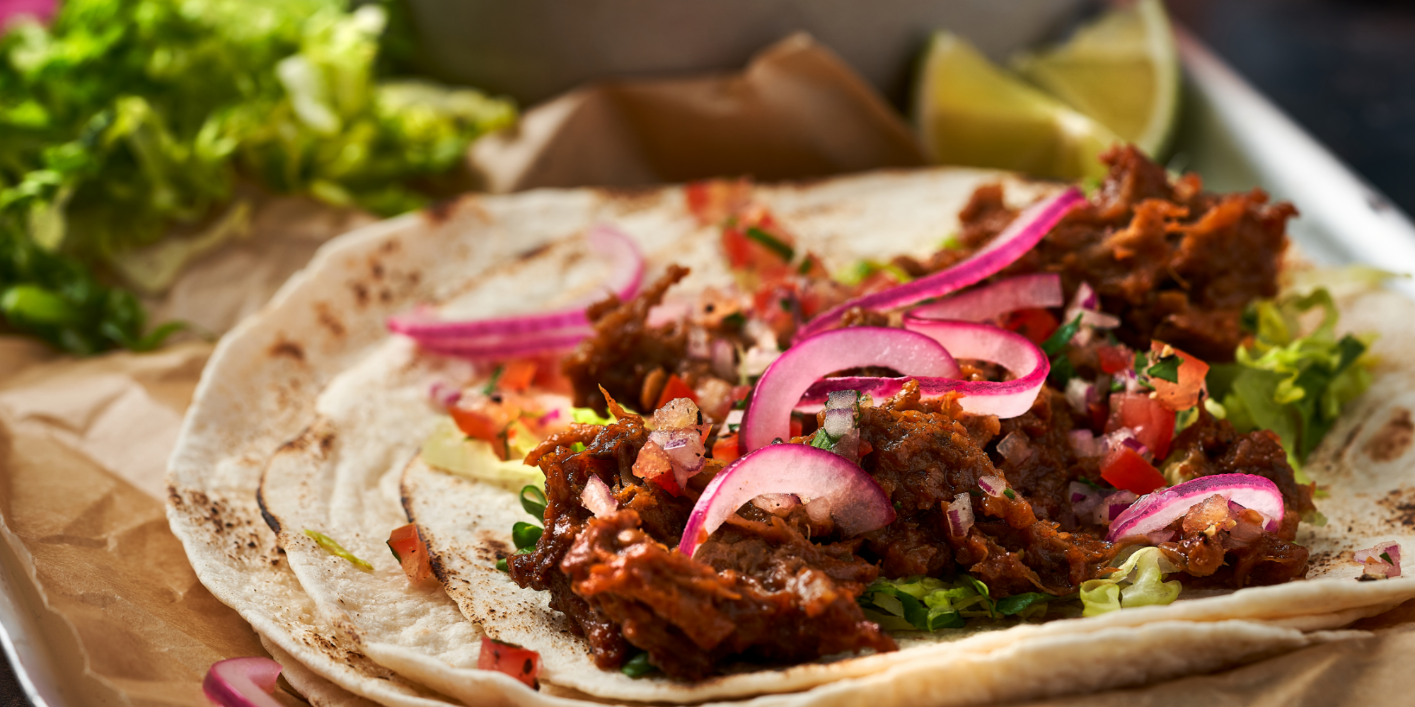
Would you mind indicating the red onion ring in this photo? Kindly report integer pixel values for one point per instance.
(857, 503)
(1039, 291)
(478, 337)
(1157, 510)
(242, 682)
(508, 347)
(1020, 236)
(768, 416)
(983, 342)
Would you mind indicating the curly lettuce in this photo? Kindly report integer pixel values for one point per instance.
(123, 118)
(1139, 581)
(1292, 383)
(929, 604)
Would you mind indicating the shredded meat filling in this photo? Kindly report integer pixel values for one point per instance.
(1173, 262)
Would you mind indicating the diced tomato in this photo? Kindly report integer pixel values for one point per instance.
(520, 663)
(1152, 422)
(737, 247)
(1035, 324)
(477, 424)
(674, 389)
(725, 448)
(517, 376)
(1115, 359)
(407, 545)
(865, 448)
(795, 426)
(714, 200)
(1124, 468)
(1184, 394)
(668, 483)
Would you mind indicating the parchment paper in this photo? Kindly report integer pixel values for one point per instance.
(83, 444)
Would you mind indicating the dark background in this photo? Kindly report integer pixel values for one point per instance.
(1343, 69)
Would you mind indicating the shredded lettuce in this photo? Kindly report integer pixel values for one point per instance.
(125, 117)
(928, 604)
(587, 416)
(1288, 382)
(450, 450)
(1139, 581)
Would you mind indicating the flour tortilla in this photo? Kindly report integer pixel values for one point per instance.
(317, 360)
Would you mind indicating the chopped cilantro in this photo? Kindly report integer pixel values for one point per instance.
(1061, 371)
(525, 535)
(578, 447)
(786, 304)
(495, 378)
(804, 267)
(824, 440)
(732, 427)
(638, 666)
(735, 319)
(533, 500)
(771, 243)
(740, 404)
(1116, 385)
(1166, 368)
(1062, 336)
(1386, 556)
(1009, 493)
(332, 546)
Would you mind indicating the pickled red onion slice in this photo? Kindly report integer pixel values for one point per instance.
(486, 338)
(857, 504)
(983, 342)
(1155, 511)
(505, 347)
(242, 682)
(768, 416)
(1039, 291)
(1020, 236)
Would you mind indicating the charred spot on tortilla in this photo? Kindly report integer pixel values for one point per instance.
(285, 347)
(1400, 503)
(535, 252)
(328, 319)
(1393, 438)
(270, 520)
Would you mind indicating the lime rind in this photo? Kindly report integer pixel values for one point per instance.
(1104, 69)
(972, 112)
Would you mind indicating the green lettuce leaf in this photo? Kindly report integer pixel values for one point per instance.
(928, 604)
(1139, 581)
(1289, 382)
(125, 117)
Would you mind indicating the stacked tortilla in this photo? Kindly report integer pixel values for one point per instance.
(310, 415)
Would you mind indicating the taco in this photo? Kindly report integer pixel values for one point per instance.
(301, 453)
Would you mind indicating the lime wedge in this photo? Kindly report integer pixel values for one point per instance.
(1121, 70)
(970, 112)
